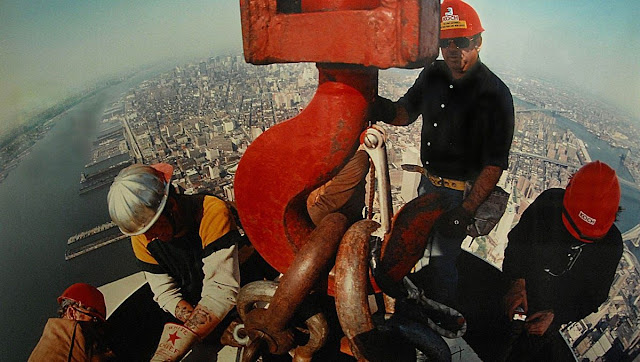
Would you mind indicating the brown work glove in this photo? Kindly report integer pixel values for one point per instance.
(538, 323)
(516, 297)
(175, 342)
(382, 109)
(453, 223)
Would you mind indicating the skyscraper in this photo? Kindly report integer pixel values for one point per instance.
(410, 180)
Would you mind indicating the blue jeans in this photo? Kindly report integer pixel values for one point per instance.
(439, 278)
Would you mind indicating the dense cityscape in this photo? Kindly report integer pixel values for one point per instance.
(202, 116)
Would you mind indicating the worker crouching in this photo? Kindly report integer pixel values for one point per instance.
(187, 247)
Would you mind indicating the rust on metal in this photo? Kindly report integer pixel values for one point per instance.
(312, 262)
(352, 276)
(406, 243)
(395, 33)
(318, 329)
(253, 351)
(282, 166)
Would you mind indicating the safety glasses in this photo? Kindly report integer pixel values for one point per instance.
(573, 256)
(460, 43)
(84, 312)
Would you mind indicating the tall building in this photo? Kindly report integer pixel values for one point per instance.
(255, 132)
(410, 180)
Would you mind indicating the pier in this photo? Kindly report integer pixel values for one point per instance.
(70, 254)
(101, 178)
(91, 232)
(95, 238)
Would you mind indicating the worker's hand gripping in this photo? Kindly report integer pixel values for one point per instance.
(175, 342)
(538, 323)
(382, 109)
(516, 297)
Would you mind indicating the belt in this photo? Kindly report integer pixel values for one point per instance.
(436, 180)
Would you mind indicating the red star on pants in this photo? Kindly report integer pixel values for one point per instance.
(173, 337)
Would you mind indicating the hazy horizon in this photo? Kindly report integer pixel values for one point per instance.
(51, 50)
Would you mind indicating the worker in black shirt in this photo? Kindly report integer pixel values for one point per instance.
(562, 257)
(468, 121)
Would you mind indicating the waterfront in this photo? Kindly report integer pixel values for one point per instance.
(41, 209)
(601, 150)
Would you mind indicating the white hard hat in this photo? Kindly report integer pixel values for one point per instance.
(138, 195)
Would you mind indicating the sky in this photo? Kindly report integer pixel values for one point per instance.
(52, 49)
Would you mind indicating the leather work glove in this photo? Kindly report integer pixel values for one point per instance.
(382, 109)
(175, 342)
(453, 223)
(538, 323)
(516, 297)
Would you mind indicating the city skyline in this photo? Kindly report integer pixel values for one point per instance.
(49, 51)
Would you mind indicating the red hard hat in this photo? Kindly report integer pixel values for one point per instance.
(591, 201)
(458, 19)
(86, 296)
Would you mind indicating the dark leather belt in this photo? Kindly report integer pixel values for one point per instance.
(436, 180)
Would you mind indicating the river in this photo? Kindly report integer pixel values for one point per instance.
(603, 151)
(41, 209)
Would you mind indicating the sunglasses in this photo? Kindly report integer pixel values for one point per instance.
(460, 43)
(573, 255)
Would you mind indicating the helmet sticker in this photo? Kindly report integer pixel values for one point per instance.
(452, 21)
(586, 218)
(449, 12)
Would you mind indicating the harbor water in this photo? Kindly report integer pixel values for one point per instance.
(41, 209)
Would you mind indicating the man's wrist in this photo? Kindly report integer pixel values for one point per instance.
(469, 206)
(519, 283)
(183, 310)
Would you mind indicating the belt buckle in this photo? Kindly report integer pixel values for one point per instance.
(440, 181)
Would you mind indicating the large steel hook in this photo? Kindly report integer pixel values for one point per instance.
(282, 166)
(347, 39)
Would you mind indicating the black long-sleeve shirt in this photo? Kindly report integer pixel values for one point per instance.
(467, 123)
(540, 250)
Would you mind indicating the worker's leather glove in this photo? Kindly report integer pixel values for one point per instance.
(538, 323)
(382, 109)
(175, 342)
(453, 223)
(516, 297)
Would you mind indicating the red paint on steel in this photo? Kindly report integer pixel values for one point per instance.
(334, 5)
(282, 166)
(398, 33)
(406, 243)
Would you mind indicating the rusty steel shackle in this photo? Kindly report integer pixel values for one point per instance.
(369, 342)
(258, 294)
(315, 258)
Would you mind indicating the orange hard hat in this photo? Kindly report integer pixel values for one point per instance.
(591, 201)
(458, 19)
(88, 297)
